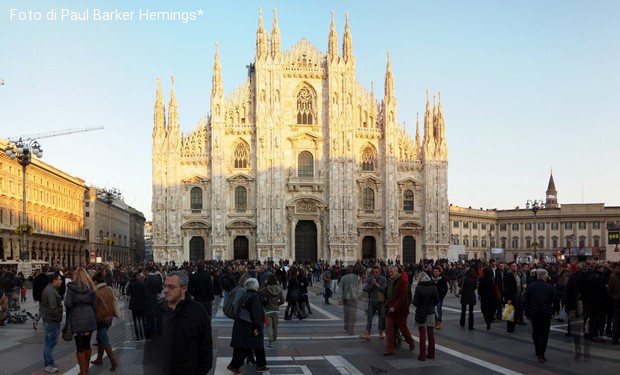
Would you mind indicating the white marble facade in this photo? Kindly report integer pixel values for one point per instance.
(300, 161)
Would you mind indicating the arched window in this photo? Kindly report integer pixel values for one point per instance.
(368, 199)
(408, 200)
(305, 165)
(304, 107)
(369, 159)
(242, 155)
(241, 198)
(196, 198)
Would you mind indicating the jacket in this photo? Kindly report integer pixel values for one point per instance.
(51, 305)
(185, 345)
(81, 305)
(540, 297)
(274, 296)
(399, 299)
(425, 298)
(349, 284)
(105, 304)
(38, 284)
(375, 291)
(201, 286)
(614, 286)
(442, 286)
(243, 335)
(137, 295)
(468, 290)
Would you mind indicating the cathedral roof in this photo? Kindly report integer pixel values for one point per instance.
(303, 56)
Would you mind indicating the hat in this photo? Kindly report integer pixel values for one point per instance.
(425, 278)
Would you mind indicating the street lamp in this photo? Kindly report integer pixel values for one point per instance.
(108, 196)
(535, 205)
(23, 150)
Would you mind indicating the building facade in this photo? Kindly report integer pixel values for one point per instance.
(54, 209)
(555, 232)
(299, 162)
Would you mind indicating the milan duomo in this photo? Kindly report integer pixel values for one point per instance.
(299, 162)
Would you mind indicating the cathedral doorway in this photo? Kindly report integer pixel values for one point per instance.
(241, 248)
(196, 249)
(305, 240)
(409, 255)
(369, 248)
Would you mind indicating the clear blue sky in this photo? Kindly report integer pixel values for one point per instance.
(526, 86)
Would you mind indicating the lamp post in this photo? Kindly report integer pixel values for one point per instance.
(535, 205)
(108, 196)
(23, 150)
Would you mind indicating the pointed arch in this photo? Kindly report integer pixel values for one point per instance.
(369, 158)
(241, 156)
(306, 105)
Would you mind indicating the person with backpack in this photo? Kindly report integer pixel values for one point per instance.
(228, 282)
(273, 298)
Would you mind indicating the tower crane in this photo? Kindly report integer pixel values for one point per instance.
(28, 137)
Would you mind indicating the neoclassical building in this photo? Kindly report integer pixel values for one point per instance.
(299, 162)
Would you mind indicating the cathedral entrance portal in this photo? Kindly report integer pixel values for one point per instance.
(305, 240)
(408, 250)
(196, 249)
(241, 248)
(369, 248)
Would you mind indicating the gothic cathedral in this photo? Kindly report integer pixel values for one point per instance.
(300, 162)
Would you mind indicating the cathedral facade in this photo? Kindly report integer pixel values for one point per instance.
(300, 162)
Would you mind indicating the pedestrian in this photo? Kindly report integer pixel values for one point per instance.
(293, 296)
(304, 281)
(469, 284)
(375, 286)
(327, 284)
(425, 299)
(4, 308)
(105, 311)
(512, 295)
(154, 286)
(185, 344)
(488, 298)
(38, 284)
(541, 302)
(442, 288)
(349, 287)
(614, 294)
(51, 313)
(273, 298)
(201, 287)
(596, 300)
(81, 305)
(137, 304)
(397, 310)
(247, 335)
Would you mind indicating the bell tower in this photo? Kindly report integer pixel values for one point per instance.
(552, 194)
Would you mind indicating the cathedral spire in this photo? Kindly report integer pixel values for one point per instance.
(275, 36)
(442, 146)
(159, 117)
(173, 114)
(217, 84)
(428, 146)
(261, 44)
(389, 78)
(417, 132)
(332, 45)
(347, 44)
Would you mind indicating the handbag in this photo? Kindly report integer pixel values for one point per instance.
(498, 294)
(508, 313)
(67, 332)
(116, 312)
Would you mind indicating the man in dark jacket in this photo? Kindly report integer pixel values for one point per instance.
(596, 301)
(185, 345)
(442, 287)
(201, 287)
(541, 302)
(512, 295)
(51, 311)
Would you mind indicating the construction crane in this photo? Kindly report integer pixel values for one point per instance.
(28, 137)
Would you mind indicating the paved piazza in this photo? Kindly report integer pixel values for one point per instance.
(319, 345)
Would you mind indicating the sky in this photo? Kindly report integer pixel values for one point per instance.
(527, 87)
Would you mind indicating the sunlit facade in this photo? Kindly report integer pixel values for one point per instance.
(299, 162)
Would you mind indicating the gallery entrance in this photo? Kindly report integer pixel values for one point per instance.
(305, 241)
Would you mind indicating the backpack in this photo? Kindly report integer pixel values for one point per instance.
(232, 302)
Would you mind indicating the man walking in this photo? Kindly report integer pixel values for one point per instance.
(442, 287)
(376, 286)
(51, 312)
(397, 310)
(541, 302)
(38, 284)
(349, 285)
(201, 288)
(512, 294)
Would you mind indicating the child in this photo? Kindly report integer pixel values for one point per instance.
(23, 292)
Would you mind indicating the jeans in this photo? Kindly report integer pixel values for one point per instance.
(375, 307)
(541, 322)
(102, 335)
(439, 310)
(272, 325)
(52, 330)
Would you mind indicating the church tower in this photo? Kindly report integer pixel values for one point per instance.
(552, 194)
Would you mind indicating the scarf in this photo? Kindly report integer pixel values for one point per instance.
(391, 286)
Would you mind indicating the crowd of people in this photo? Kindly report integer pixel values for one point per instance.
(172, 305)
